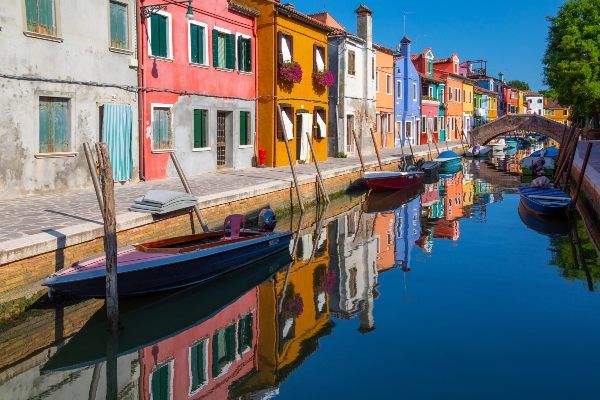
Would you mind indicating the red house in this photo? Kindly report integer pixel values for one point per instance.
(512, 100)
(198, 71)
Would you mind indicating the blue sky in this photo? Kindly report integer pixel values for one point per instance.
(510, 36)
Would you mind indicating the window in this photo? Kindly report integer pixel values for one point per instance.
(162, 136)
(378, 122)
(55, 129)
(245, 125)
(223, 49)
(457, 95)
(441, 96)
(430, 67)
(160, 383)
(244, 53)
(553, 113)
(160, 35)
(319, 64)
(423, 124)
(399, 89)
(435, 123)
(244, 334)
(566, 112)
(539, 101)
(198, 43)
(450, 93)
(388, 84)
(119, 32)
(198, 361)
(373, 68)
(223, 350)
(414, 92)
(286, 48)
(321, 119)
(430, 92)
(377, 82)
(200, 129)
(41, 16)
(351, 62)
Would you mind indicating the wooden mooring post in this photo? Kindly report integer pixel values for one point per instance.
(290, 159)
(586, 160)
(320, 181)
(94, 174)
(376, 149)
(359, 151)
(571, 158)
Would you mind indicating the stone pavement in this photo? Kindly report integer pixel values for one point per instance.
(54, 217)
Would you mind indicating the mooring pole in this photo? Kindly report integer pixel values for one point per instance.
(94, 174)
(586, 159)
(359, 151)
(412, 154)
(291, 160)
(562, 155)
(188, 190)
(571, 158)
(110, 235)
(403, 162)
(376, 149)
(320, 181)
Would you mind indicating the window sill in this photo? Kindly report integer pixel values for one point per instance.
(246, 146)
(192, 64)
(244, 73)
(224, 69)
(165, 59)
(201, 149)
(163, 151)
(65, 154)
(43, 36)
(120, 51)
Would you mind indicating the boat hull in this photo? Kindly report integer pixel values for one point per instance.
(171, 272)
(394, 181)
(541, 206)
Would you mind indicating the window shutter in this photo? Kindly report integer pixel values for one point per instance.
(31, 11)
(44, 126)
(240, 50)
(279, 47)
(248, 55)
(243, 128)
(46, 16)
(201, 45)
(60, 125)
(230, 51)
(215, 46)
(292, 46)
(194, 43)
(163, 36)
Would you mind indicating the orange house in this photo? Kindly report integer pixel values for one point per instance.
(448, 69)
(557, 112)
(384, 96)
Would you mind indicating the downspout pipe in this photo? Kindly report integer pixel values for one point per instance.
(141, 93)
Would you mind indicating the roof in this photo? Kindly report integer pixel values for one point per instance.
(243, 8)
(431, 78)
(445, 60)
(290, 11)
(327, 19)
(553, 104)
(529, 93)
(479, 89)
(362, 9)
(383, 49)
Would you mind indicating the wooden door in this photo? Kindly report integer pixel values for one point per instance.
(221, 139)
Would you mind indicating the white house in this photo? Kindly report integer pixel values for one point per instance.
(534, 103)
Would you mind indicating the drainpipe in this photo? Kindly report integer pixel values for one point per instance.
(255, 47)
(141, 93)
(275, 98)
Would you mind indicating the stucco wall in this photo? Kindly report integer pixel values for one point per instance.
(77, 53)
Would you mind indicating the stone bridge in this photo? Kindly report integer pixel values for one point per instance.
(520, 123)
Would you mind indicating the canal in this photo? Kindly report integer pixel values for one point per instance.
(450, 293)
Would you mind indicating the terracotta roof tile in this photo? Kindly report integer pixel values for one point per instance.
(243, 8)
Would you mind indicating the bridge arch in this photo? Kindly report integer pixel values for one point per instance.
(529, 123)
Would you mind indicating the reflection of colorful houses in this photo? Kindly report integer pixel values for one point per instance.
(293, 315)
(445, 229)
(468, 191)
(453, 199)
(384, 229)
(408, 231)
(206, 359)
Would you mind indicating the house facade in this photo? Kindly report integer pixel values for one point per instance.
(432, 98)
(352, 99)
(407, 108)
(497, 86)
(557, 112)
(481, 106)
(535, 103)
(468, 107)
(512, 100)
(448, 70)
(89, 93)
(384, 96)
(201, 69)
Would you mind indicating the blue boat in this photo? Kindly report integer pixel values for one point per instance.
(512, 143)
(448, 158)
(551, 152)
(545, 201)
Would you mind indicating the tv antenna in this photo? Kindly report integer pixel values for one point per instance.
(404, 14)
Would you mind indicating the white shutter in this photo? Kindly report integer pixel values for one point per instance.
(320, 62)
(322, 126)
(285, 50)
(288, 126)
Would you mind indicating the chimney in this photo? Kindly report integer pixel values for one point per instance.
(365, 24)
(501, 77)
(405, 47)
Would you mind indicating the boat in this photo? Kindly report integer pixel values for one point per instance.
(545, 201)
(498, 145)
(450, 169)
(448, 158)
(523, 143)
(550, 226)
(430, 170)
(383, 180)
(388, 201)
(171, 263)
(478, 151)
(150, 319)
(551, 152)
(512, 143)
(538, 166)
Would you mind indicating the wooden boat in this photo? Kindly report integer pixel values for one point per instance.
(545, 201)
(388, 201)
(448, 158)
(147, 320)
(550, 226)
(393, 180)
(478, 151)
(169, 264)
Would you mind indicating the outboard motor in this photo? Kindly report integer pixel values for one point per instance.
(267, 220)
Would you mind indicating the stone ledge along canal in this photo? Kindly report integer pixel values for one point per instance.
(448, 293)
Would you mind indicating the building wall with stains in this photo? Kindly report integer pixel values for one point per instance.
(71, 62)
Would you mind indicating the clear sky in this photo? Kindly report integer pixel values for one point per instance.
(510, 35)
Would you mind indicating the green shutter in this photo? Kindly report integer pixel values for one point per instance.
(197, 366)
(161, 128)
(240, 52)
(118, 25)
(245, 333)
(200, 129)
(46, 17)
(248, 55)
(243, 128)
(31, 10)
(44, 125)
(160, 383)
(215, 48)
(54, 132)
(163, 36)
(230, 51)
(200, 40)
(194, 44)
(158, 35)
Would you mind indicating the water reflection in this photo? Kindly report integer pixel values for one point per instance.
(246, 334)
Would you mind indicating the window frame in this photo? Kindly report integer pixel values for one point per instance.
(70, 97)
(169, 17)
(128, 49)
(414, 91)
(169, 363)
(377, 81)
(353, 64)
(399, 89)
(243, 36)
(56, 36)
(206, 63)
(225, 32)
(250, 135)
(389, 82)
(281, 36)
(316, 48)
(153, 106)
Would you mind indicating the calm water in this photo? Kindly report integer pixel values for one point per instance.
(442, 294)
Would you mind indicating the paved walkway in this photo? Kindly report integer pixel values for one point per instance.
(56, 216)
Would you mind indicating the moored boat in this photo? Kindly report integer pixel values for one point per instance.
(478, 151)
(448, 158)
(383, 180)
(545, 201)
(550, 226)
(171, 263)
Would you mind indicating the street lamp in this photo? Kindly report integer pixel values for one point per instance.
(147, 11)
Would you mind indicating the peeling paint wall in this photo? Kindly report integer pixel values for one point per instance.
(80, 51)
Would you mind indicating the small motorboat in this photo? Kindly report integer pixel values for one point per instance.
(171, 263)
(551, 152)
(383, 180)
(430, 169)
(478, 151)
(538, 166)
(388, 201)
(545, 201)
(448, 158)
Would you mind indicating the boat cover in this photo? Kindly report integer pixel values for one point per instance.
(163, 201)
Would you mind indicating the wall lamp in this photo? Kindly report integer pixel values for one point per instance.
(147, 11)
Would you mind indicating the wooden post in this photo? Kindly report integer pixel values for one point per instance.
(188, 190)
(359, 151)
(110, 235)
(376, 149)
(571, 157)
(435, 142)
(412, 154)
(564, 146)
(319, 176)
(291, 160)
(403, 162)
(588, 152)
(94, 174)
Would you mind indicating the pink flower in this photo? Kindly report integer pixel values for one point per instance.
(324, 78)
(290, 72)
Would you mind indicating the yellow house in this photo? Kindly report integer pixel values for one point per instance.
(468, 106)
(556, 111)
(521, 103)
(493, 109)
(290, 41)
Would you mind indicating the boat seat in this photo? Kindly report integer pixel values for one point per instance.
(233, 226)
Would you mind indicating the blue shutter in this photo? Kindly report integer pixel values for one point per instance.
(118, 25)
(46, 17)
(44, 126)
(117, 133)
(31, 11)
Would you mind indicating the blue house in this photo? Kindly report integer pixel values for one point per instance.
(407, 92)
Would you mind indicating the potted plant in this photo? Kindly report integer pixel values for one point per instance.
(324, 79)
(290, 72)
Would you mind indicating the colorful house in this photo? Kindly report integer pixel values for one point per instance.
(407, 108)
(512, 100)
(448, 69)
(485, 108)
(497, 86)
(384, 96)
(521, 105)
(557, 112)
(352, 59)
(535, 103)
(432, 98)
(202, 68)
(291, 62)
